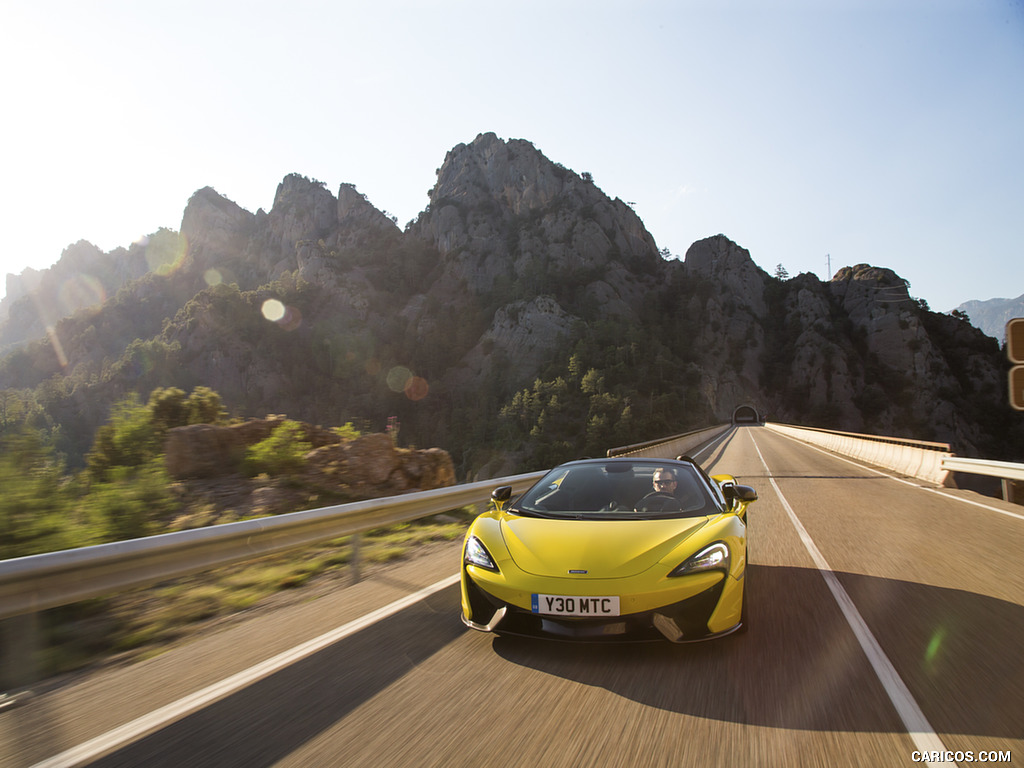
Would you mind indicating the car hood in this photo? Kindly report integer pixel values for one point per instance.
(604, 549)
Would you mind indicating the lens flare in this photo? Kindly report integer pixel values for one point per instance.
(273, 310)
(934, 645)
(80, 292)
(397, 378)
(291, 320)
(416, 388)
(58, 348)
(165, 252)
(213, 277)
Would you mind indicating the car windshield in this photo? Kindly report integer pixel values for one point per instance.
(619, 491)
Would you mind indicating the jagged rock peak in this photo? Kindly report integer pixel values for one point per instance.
(864, 284)
(502, 210)
(716, 254)
(323, 212)
(212, 227)
(354, 210)
(881, 277)
(309, 201)
(720, 259)
(515, 173)
(208, 209)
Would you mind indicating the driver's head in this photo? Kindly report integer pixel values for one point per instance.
(664, 480)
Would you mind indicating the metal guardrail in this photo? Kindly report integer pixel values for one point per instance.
(37, 582)
(1011, 474)
(1004, 469)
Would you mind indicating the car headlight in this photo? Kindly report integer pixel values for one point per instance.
(477, 554)
(714, 557)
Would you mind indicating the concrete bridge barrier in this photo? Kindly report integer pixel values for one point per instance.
(913, 458)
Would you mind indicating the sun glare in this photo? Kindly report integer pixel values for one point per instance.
(273, 310)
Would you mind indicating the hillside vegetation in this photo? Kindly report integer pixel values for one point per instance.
(523, 318)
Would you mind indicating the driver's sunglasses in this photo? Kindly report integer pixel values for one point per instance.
(666, 481)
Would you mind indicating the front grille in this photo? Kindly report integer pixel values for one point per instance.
(690, 615)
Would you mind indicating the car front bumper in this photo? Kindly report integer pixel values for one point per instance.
(712, 612)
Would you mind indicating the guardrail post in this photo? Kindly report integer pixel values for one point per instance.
(356, 560)
(1013, 491)
(19, 642)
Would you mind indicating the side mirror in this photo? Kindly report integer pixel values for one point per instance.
(500, 496)
(739, 492)
(739, 496)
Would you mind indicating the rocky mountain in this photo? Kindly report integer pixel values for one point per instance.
(523, 317)
(992, 315)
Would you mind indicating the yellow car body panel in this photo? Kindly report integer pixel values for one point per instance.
(605, 549)
(587, 556)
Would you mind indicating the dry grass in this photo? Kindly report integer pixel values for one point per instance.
(143, 623)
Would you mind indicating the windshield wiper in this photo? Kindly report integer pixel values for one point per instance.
(530, 513)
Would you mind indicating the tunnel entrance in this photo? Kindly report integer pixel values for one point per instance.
(745, 414)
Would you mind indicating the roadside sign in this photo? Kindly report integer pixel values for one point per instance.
(1017, 387)
(1015, 351)
(1015, 340)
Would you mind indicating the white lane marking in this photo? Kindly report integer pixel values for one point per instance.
(715, 442)
(936, 491)
(142, 726)
(917, 725)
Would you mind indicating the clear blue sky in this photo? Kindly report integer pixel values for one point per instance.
(888, 132)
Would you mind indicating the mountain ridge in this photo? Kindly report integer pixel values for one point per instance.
(522, 317)
(992, 315)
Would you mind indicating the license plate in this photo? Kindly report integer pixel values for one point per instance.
(573, 605)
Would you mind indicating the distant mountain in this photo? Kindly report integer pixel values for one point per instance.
(523, 318)
(992, 315)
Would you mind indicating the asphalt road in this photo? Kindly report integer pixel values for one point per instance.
(926, 654)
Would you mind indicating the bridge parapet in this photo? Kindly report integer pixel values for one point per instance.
(670, 447)
(913, 458)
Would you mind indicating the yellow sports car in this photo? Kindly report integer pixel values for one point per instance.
(611, 549)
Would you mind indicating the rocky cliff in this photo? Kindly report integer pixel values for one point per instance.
(206, 461)
(523, 306)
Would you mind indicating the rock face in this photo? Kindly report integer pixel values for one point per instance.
(207, 450)
(501, 212)
(323, 308)
(83, 279)
(366, 466)
(857, 353)
(209, 459)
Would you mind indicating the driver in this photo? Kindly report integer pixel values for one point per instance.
(663, 497)
(665, 481)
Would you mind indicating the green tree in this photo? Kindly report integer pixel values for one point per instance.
(131, 503)
(135, 433)
(283, 452)
(128, 439)
(33, 498)
(168, 408)
(205, 407)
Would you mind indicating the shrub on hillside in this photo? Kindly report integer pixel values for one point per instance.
(283, 452)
